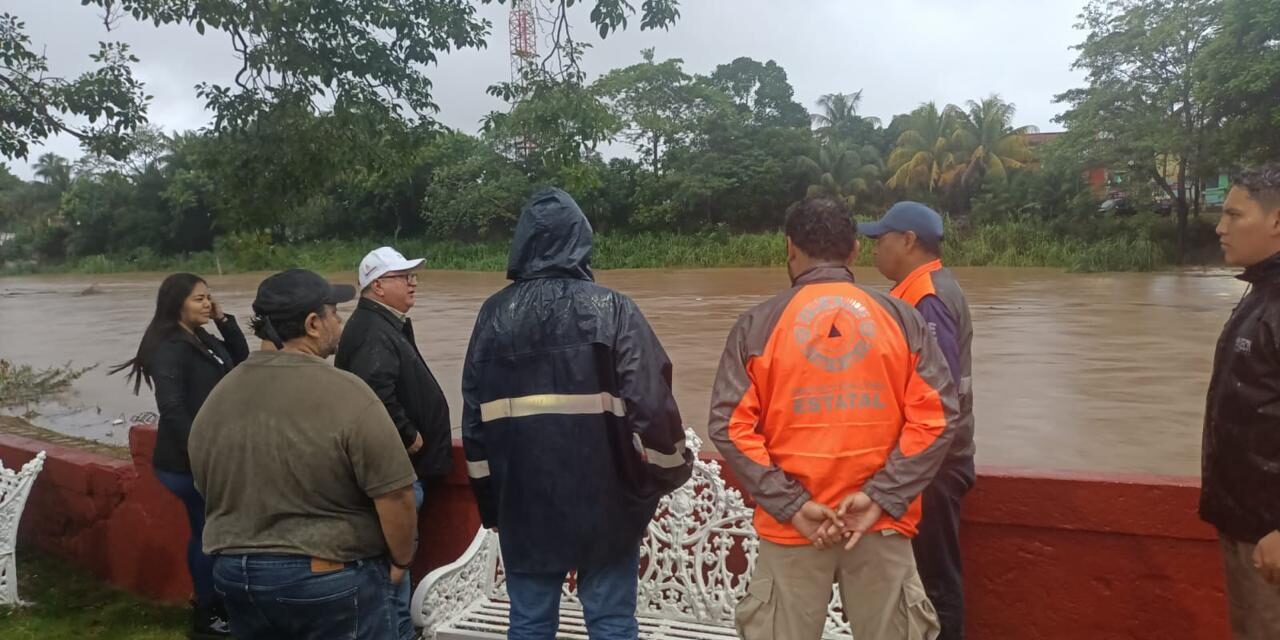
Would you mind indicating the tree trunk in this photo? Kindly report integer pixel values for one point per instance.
(656, 140)
(1181, 202)
(1196, 196)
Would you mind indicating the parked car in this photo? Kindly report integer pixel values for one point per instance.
(1118, 204)
(1163, 206)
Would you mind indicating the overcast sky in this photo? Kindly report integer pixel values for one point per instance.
(898, 52)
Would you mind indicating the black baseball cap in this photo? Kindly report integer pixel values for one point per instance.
(293, 293)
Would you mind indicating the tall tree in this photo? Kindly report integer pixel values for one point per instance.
(733, 173)
(1143, 107)
(362, 55)
(358, 55)
(848, 174)
(8, 181)
(555, 121)
(36, 103)
(924, 159)
(1242, 87)
(993, 145)
(659, 104)
(53, 170)
(761, 91)
(839, 120)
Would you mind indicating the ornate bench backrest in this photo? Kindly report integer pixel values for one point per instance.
(697, 557)
(15, 487)
(700, 550)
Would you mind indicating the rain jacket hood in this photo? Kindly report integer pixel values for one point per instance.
(552, 239)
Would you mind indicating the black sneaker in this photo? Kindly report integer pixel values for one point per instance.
(207, 623)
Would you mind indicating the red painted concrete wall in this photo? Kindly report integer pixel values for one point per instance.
(1048, 556)
(1100, 557)
(109, 516)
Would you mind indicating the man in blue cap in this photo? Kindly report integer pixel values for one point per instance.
(909, 252)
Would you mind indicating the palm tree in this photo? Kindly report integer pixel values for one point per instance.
(924, 157)
(54, 170)
(994, 146)
(839, 120)
(847, 174)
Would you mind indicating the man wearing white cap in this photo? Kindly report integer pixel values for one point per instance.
(378, 346)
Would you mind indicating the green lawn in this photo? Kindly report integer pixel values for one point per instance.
(67, 603)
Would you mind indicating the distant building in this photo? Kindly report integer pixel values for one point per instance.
(1103, 181)
(1039, 138)
(1096, 177)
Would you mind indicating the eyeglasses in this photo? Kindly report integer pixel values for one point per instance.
(411, 278)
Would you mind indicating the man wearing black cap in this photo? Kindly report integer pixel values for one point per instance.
(909, 252)
(308, 490)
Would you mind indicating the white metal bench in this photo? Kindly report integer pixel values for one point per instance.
(695, 562)
(15, 486)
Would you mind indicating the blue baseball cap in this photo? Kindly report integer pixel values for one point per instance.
(907, 216)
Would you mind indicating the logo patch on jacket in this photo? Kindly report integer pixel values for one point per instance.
(833, 332)
(1244, 345)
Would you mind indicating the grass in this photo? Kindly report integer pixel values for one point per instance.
(68, 604)
(21, 383)
(1023, 244)
(1127, 245)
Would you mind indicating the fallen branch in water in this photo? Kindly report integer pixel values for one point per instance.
(22, 383)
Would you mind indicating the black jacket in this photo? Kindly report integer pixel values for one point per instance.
(184, 369)
(1240, 487)
(571, 431)
(380, 349)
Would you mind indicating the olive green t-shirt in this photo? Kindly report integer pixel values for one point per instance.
(289, 453)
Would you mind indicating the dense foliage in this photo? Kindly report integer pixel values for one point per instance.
(316, 142)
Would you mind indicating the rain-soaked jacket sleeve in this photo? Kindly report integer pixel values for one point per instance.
(233, 338)
(644, 384)
(377, 363)
(736, 409)
(931, 413)
(473, 432)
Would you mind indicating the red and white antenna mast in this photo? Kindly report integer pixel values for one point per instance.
(523, 25)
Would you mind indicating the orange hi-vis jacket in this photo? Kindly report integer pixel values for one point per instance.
(828, 389)
(932, 279)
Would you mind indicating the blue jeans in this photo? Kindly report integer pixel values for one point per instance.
(279, 597)
(404, 595)
(608, 595)
(199, 565)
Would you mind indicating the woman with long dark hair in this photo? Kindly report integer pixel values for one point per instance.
(183, 362)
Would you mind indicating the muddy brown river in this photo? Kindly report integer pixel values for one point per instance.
(1080, 372)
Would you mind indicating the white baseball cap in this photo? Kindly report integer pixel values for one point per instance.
(382, 261)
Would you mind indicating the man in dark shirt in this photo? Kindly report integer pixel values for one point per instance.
(1240, 484)
(379, 346)
(308, 489)
(909, 252)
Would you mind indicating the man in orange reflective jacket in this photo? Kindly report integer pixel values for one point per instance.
(909, 252)
(831, 395)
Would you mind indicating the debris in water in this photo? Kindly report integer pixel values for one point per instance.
(93, 290)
